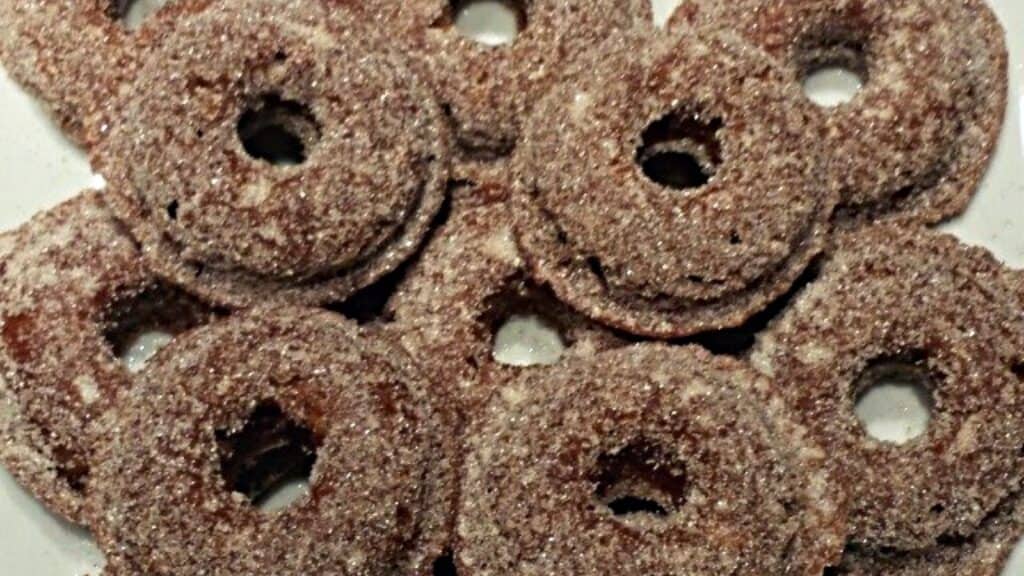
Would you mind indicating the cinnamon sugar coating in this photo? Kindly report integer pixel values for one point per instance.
(665, 258)
(381, 488)
(731, 485)
(215, 216)
(488, 91)
(944, 315)
(915, 141)
(77, 56)
(469, 280)
(64, 276)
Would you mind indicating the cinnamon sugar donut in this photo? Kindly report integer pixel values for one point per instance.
(915, 141)
(77, 56)
(984, 553)
(944, 317)
(488, 90)
(674, 188)
(198, 178)
(68, 278)
(217, 411)
(469, 280)
(643, 460)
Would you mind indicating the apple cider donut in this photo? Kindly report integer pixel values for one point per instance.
(644, 460)
(65, 278)
(219, 414)
(488, 90)
(78, 56)
(468, 282)
(916, 307)
(290, 156)
(680, 189)
(916, 139)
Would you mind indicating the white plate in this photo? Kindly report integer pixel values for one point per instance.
(39, 168)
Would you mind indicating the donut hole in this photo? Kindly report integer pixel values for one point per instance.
(277, 131)
(444, 565)
(488, 22)
(525, 329)
(680, 150)
(894, 400)
(270, 459)
(133, 13)
(834, 68)
(138, 325)
(641, 479)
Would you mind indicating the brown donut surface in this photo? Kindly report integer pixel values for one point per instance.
(65, 276)
(488, 90)
(914, 142)
(469, 280)
(225, 217)
(174, 469)
(77, 56)
(643, 460)
(674, 187)
(916, 303)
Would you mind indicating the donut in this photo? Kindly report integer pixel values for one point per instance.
(289, 158)
(487, 91)
(893, 300)
(181, 463)
(469, 280)
(915, 141)
(644, 460)
(985, 553)
(72, 284)
(77, 56)
(674, 187)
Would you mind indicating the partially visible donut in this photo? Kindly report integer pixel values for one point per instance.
(488, 91)
(984, 553)
(67, 278)
(674, 187)
(915, 141)
(179, 461)
(468, 281)
(644, 460)
(217, 210)
(77, 56)
(892, 300)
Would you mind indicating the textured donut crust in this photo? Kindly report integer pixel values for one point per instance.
(488, 91)
(915, 146)
(237, 230)
(381, 491)
(889, 293)
(649, 259)
(984, 553)
(76, 58)
(757, 500)
(62, 274)
(468, 279)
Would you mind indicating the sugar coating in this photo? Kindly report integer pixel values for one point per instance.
(753, 501)
(469, 279)
(238, 230)
(488, 91)
(916, 140)
(77, 57)
(984, 553)
(62, 277)
(890, 294)
(654, 260)
(381, 490)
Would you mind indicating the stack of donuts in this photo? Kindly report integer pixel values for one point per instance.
(332, 207)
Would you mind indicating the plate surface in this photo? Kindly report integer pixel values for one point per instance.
(39, 168)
